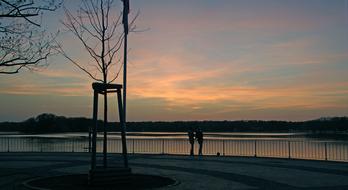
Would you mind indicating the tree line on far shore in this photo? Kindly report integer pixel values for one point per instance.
(50, 123)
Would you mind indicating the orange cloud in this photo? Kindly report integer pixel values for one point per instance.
(193, 88)
(42, 89)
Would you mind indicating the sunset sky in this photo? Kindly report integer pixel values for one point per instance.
(206, 60)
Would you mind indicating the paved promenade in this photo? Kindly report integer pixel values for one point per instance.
(190, 173)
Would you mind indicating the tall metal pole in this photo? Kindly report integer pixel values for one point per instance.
(125, 25)
(125, 80)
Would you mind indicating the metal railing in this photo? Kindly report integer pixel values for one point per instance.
(334, 151)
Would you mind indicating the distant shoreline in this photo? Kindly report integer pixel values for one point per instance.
(329, 127)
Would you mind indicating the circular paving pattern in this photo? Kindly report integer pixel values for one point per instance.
(80, 182)
(207, 172)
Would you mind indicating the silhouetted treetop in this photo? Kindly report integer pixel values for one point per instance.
(45, 123)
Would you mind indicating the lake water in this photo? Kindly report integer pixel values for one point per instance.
(281, 145)
(171, 135)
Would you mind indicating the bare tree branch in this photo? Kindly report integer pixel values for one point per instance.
(97, 26)
(23, 44)
(61, 51)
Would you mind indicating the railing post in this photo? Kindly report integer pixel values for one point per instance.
(90, 139)
(223, 147)
(8, 144)
(289, 150)
(133, 146)
(255, 148)
(73, 140)
(162, 146)
(326, 151)
(32, 144)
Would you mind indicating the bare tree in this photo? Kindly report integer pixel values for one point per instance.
(23, 43)
(98, 27)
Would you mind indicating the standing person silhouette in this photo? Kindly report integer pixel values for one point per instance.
(199, 137)
(191, 136)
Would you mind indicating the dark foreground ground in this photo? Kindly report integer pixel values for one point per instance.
(190, 173)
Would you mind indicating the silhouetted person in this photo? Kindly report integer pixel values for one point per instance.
(199, 137)
(191, 136)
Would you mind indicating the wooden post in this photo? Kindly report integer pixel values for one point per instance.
(101, 88)
(105, 139)
(123, 133)
(94, 130)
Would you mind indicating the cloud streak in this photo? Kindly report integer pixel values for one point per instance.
(218, 60)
